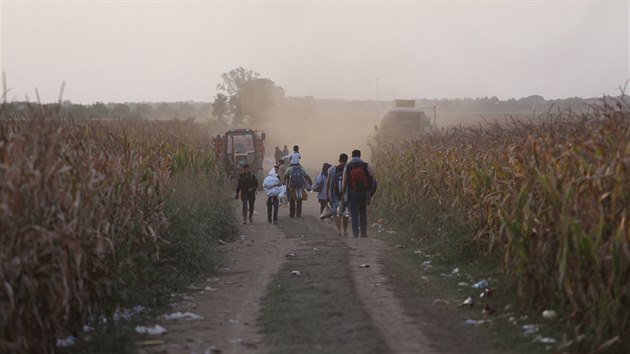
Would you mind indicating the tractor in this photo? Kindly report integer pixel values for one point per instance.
(238, 147)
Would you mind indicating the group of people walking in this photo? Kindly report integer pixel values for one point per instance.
(345, 189)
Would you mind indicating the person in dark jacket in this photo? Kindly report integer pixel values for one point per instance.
(247, 185)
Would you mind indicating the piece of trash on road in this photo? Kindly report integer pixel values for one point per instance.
(315, 249)
(209, 288)
(243, 237)
(126, 314)
(488, 292)
(221, 242)
(232, 321)
(549, 314)
(400, 246)
(296, 273)
(543, 340)
(153, 331)
(418, 252)
(468, 302)
(292, 254)
(462, 284)
(364, 265)
(474, 322)
(390, 231)
(426, 264)
(481, 284)
(488, 310)
(66, 342)
(441, 301)
(530, 329)
(88, 329)
(150, 343)
(183, 316)
(455, 271)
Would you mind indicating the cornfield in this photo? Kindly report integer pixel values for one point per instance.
(549, 197)
(80, 204)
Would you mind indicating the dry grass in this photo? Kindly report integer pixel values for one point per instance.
(549, 197)
(82, 209)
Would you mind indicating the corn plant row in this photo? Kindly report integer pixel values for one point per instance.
(549, 195)
(79, 204)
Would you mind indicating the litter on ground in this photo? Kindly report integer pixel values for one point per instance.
(549, 314)
(544, 340)
(468, 302)
(183, 316)
(66, 342)
(152, 331)
(530, 329)
(481, 284)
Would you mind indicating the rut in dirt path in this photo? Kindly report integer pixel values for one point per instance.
(359, 312)
(255, 305)
(229, 301)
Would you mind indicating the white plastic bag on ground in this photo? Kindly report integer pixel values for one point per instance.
(183, 316)
(153, 331)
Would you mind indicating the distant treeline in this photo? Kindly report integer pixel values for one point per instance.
(300, 106)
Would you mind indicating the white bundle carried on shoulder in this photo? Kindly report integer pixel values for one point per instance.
(271, 184)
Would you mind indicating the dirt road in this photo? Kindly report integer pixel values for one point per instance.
(229, 301)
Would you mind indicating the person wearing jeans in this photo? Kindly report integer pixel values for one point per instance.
(247, 184)
(271, 185)
(357, 193)
(358, 212)
(272, 203)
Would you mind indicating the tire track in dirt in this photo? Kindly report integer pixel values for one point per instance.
(230, 304)
(400, 332)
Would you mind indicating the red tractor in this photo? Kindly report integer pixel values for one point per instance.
(238, 147)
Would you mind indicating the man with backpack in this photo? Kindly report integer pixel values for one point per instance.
(247, 185)
(295, 177)
(357, 182)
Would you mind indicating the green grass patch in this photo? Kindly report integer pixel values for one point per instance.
(318, 311)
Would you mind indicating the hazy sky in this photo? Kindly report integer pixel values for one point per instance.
(124, 51)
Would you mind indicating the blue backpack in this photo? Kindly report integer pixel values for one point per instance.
(296, 179)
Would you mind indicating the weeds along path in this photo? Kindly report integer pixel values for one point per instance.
(229, 301)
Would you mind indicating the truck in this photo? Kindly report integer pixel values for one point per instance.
(238, 147)
(404, 121)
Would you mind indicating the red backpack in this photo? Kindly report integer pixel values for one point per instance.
(359, 177)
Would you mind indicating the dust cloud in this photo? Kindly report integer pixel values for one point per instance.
(322, 129)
